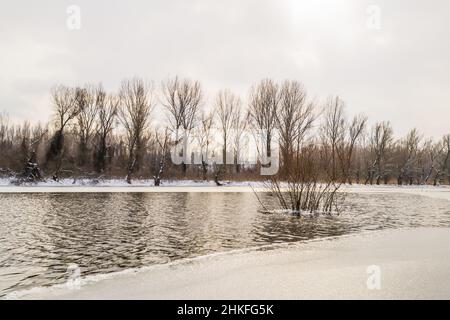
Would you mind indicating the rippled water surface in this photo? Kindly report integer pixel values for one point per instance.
(42, 233)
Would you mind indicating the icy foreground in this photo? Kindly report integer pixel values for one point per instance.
(413, 264)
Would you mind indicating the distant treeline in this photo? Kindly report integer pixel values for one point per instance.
(97, 134)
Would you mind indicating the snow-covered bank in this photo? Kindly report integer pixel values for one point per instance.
(413, 263)
(115, 182)
(120, 185)
(441, 192)
(147, 183)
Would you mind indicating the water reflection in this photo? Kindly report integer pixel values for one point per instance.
(42, 233)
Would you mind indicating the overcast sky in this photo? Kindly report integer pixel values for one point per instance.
(399, 72)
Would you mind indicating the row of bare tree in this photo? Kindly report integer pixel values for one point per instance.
(97, 134)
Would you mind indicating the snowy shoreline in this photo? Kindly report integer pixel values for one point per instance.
(413, 264)
(120, 185)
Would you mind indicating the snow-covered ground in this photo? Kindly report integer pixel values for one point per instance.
(406, 264)
(120, 185)
(6, 182)
(440, 192)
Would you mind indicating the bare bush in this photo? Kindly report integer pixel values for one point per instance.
(303, 190)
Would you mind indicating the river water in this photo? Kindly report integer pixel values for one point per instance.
(41, 234)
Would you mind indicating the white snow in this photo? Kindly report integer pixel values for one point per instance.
(438, 192)
(413, 264)
(120, 185)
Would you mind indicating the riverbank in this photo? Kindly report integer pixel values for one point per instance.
(146, 186)
(413, 264)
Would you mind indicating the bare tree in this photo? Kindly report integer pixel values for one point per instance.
(380, 142)
(24, 134)
(65, 110)
(263, 107)
(4, 129)
(333, 131)
(240, 123)
(408, 149)
(427, 160)
(163, 143)
(225, 108)
(182, 98)
(136, 103)
(304, 187)
(87, 101)
(295, 117)
(31, 170)
(443, 161)
(345, 150)
(108, 106)
(204, 139)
